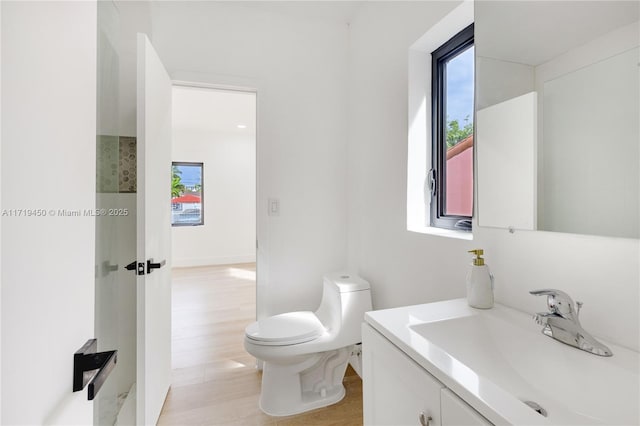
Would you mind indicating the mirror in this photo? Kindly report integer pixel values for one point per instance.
(558, 116)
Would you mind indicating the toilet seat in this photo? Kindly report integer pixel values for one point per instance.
(285, 329)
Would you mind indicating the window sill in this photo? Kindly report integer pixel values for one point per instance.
(447, 233)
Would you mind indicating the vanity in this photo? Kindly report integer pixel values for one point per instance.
(446, 363)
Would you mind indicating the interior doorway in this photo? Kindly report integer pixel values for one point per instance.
(214, 177)
(213, 246)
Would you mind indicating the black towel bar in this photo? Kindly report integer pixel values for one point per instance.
(92, 368)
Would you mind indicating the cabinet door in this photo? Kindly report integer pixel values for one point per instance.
(396, 390)
(456, 412)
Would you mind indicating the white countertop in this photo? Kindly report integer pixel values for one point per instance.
(496, 358)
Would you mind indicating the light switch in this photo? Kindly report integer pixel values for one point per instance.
(274, 207)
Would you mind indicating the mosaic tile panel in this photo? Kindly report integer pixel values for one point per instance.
(128, 168)
(116, 164)
(107, 164)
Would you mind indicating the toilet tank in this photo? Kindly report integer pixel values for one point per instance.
(345, 299)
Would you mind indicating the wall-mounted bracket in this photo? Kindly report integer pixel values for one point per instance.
(92, 368)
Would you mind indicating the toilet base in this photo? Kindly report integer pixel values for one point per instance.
(309, 401)
(313, 383)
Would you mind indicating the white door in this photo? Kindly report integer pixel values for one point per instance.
(48, 182)
(154, 234)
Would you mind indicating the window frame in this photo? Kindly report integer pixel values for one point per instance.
(437, 175)
(201, 165)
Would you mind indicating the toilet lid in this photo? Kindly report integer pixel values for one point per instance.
(285, 329)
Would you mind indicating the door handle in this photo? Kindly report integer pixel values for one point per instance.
(151, 266)
(135, 266)
(107, 268)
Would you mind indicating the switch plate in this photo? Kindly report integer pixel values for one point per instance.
(274, 207)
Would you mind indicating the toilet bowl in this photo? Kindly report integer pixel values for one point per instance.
(305, 354)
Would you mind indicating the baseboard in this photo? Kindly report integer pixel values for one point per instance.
(206, 261)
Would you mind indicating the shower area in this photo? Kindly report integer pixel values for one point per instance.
(115, 286)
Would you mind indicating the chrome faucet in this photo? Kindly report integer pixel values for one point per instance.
(562, 322)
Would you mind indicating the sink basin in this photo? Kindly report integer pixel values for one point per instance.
(498, 359)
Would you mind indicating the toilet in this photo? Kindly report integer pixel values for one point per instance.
(305, 354)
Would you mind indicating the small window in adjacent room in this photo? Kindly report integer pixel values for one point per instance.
(187, 206)
(451, 176)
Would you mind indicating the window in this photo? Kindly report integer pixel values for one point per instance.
(451, 175)
(187, 203)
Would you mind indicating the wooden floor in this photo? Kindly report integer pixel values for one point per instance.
(215, 381)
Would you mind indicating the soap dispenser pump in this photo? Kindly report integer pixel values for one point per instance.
(479, 283)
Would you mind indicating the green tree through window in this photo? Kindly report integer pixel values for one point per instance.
(456, 134)
(177, 187)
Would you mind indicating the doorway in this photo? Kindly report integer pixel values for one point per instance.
(214, 165)
(213, 249)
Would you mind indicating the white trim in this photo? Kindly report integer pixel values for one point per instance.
(215, 81)
(213, 86)
(441, 232)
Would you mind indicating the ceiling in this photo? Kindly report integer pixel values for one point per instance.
(329, 11)
(217, 111)
(341, 12)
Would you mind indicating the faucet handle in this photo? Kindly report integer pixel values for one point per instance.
(558, 301)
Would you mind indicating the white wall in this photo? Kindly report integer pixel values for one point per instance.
(298, 66)
(407, 268)
(48, 162)
(403, 267)
(307, 102)
(204, 132)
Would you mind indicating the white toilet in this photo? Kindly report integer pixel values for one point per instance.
(305, 354)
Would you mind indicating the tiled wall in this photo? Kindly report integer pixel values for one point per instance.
(127, 162)
(116, 164)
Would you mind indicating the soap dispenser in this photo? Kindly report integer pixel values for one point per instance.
(479, 283)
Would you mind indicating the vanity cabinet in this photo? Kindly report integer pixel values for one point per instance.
(457, 412)
(397, 391)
